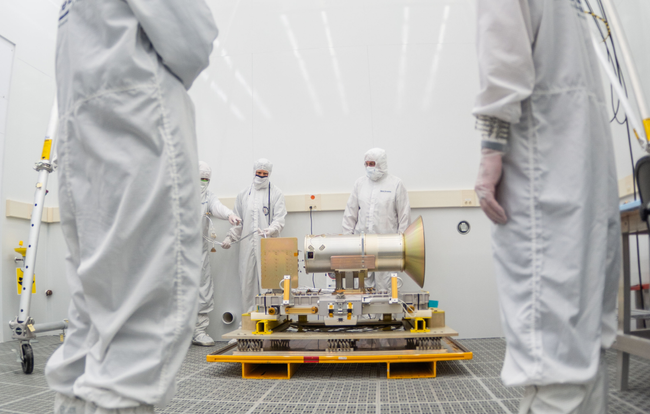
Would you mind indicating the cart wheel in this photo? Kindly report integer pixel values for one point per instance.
(28, 359)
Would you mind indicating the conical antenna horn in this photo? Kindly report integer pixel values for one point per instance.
(414, 251)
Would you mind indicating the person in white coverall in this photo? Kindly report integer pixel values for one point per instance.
(210, 206)
(127, 160)
(378, 204)
(548, 181)
(262, 210)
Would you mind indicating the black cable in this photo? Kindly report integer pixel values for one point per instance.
(629, 144)
(638, 255)
(638, 260)
(268, 219)
(311, 231)
(612, 56)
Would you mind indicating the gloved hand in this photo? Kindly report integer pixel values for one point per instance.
(225, 244)
(264, 233)
(489, 175)
(233, 219)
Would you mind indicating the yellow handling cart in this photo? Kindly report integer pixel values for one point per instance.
(280, 358)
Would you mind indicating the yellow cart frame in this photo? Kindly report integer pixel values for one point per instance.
(399, 364)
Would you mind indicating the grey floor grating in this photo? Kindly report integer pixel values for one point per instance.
(461, 387)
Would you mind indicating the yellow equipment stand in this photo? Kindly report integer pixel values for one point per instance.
(267, 363)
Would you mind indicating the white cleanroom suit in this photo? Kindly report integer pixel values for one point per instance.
(129, 202)
(557, 256)
(261, 207)
(210, 207)
(378, 204)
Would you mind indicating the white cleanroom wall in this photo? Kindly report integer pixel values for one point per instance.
(311, 85)
(6, 65)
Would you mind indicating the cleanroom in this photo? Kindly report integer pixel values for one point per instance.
(324, 206)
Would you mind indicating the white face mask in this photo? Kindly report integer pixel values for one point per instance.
(260, 182)
(204, 185)
(373, 173)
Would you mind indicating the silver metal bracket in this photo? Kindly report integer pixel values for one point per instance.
(41, 165)
(22, 331)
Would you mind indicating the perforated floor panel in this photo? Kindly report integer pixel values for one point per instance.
(207, 388)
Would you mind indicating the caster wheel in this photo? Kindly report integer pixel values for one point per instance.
(28, 359)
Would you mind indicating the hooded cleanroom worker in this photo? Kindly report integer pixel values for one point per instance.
(210, 207)
(378, 204)
(548, 181)
(262, 211)
(129, 202)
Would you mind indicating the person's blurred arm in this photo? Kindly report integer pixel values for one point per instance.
(403, 208)
(351, 213)
(507, 77)
(506, 70)
(217, 209)
(181, 32)
(234, 233)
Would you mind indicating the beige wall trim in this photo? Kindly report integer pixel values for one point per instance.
(296, 203)
(625, 186)
(324, 202)
(18, 209)
(338, 201)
